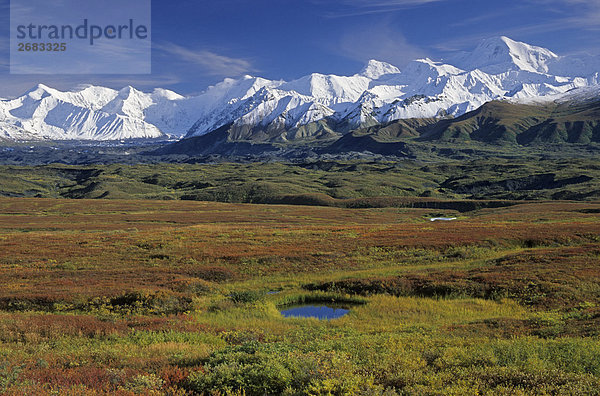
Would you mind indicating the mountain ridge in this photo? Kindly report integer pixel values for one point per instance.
(498, 69)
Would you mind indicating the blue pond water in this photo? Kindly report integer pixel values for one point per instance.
(314, 311)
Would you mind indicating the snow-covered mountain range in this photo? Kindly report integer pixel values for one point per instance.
(499, 68)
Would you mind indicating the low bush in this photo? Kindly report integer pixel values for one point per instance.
(247, 296)
(214, 274)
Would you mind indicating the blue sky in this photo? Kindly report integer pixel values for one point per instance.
(197, 43)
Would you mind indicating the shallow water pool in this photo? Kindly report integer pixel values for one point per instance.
(314, 311)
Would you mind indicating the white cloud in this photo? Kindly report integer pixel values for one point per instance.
(584, 14)
(381, 43)
(388, 3)
(211, 63)
(363, 7)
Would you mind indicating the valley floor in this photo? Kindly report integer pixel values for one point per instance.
(183, 297)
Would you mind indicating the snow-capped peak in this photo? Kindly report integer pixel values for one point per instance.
(374, 69)
(39, 91)
(431, 68)
(500, 54)
(166, 94)
(498, 69)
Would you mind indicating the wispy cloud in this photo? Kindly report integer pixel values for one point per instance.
(584, 14)
(388, 3)
(485, 17)
(581, 15)
(209, 62)
(379, 42)
(364, 7)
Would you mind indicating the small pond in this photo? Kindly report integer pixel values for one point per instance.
(329, 311)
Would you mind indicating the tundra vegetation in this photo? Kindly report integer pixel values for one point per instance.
(174, 296)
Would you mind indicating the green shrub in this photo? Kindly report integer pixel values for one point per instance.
(9, 375)
(144, 383)
(273, 369)
(246, 297)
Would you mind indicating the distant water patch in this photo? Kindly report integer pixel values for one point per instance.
(442, 218)
(314, 311)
